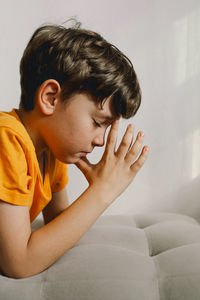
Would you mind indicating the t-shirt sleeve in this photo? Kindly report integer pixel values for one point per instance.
(15, 180)
(60, 176)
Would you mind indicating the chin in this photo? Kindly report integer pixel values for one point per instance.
(71, 159)
(70, 162)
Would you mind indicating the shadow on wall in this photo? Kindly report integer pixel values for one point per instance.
(187, 42)
(174, 162)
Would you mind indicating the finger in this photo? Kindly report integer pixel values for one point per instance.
(112, 137)
(126, 141)
(83, 164)
(137, 165)
(135, 149)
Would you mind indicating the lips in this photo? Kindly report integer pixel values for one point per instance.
(84, 153)
(87, 151)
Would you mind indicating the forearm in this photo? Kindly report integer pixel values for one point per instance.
(50, 242)
(58, 204)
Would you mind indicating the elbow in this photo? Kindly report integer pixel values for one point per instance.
(17, 270)
(17, 273)
(13, 274)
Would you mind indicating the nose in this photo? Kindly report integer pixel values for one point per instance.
(99, 139)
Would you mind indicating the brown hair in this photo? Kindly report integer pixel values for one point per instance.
(82, 61)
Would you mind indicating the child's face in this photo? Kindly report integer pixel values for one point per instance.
(73, 131)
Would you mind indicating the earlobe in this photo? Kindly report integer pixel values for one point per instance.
(48, 94)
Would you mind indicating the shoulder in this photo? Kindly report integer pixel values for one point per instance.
(13, 131)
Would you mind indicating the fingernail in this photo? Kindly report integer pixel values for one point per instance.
(146, 149)
(141, 134)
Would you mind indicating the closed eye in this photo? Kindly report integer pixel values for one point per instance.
(96, 123)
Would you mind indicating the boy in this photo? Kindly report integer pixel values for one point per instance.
(74, 85)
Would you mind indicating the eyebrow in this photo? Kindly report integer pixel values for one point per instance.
(108, 120)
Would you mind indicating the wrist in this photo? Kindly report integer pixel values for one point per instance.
(103, 193)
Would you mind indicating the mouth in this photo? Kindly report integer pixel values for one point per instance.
(84, 153)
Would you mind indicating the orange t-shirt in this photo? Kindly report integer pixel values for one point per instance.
(21, 182)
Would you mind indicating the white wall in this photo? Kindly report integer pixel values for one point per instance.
(162, 38)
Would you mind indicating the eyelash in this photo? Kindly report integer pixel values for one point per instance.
(96, 123)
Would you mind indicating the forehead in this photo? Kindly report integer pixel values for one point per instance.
(85, 103)
(106, 109)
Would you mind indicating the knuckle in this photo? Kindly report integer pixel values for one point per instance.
(139, 142)
(140, 163)
(133, 152)
(111, 140)
(108, 158)
(136, 148)
(114, 130)
(137, 167)
(126, 141)
(110, 137)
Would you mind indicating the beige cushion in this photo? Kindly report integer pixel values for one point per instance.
(122, 257)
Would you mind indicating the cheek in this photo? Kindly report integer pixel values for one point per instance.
(67, 139)
(81, 131)
(78, 138)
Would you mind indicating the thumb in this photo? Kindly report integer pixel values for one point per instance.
(84, 165)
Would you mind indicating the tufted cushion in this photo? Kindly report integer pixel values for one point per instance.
(122, 257)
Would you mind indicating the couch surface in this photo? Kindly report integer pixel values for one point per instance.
(122, 257)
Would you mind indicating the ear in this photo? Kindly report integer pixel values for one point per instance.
(48, 96)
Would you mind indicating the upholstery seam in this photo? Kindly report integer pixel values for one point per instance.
(157, 271)
(149, 239)
(114, 246)
(44, 280)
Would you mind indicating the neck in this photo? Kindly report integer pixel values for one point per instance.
(29, 121)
